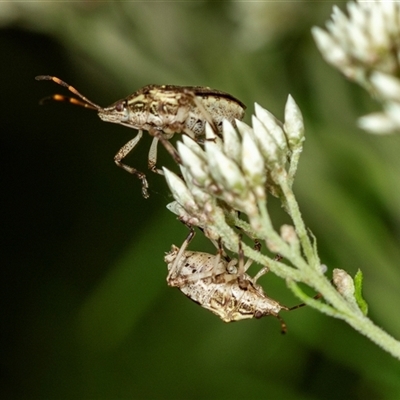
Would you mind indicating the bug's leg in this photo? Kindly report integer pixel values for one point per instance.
(123, 152)
(190, 133)
(217, 268)
(247, 265)
(260, 273)
(203, 110)
(243, 281)
(242, 267)
(218, 244)
(211, 272)
(265, 269)
(166, 143)
(176, 267)
(153, 157)
(229, 270)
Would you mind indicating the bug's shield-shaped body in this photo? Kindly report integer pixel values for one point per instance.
(206, 280)
(165, 110)
(174, 109)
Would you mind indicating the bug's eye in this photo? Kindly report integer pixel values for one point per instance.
(120, 106)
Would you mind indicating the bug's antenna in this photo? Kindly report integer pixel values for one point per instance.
(58, 97)
(316, 297)
(67, 99)
(283, 324)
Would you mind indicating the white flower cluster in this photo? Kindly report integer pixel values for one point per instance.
(234, 173)
(365, 46)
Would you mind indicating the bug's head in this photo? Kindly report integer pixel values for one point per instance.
(117, 113)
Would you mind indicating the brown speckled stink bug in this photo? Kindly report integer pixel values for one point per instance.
(162, 110)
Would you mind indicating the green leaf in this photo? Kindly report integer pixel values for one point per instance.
(358, 281)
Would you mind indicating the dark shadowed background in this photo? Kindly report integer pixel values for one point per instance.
(85, 309)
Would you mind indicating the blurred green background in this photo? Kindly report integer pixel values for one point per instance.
(86, 312)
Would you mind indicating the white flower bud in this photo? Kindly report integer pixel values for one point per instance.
(185, 217)
(197, 167)
(272, 124)
(289, 235)
(266, 143)
(378, 29)
(392, 110)
(194, 146)
(357, 15)
(232, 144)
(200, 196)
(340, 22)
(361, 44)
(180, 191)
(378, 123)
(252, 162)
(211, 136)
(387, 85)
(344, 283)
(175, 207)
(330, 50)
(224, 170)
(293, 126)
(391, 11)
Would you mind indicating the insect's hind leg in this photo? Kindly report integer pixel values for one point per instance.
(215, 268)
(174, 271)
(265, 269)
(242, 266)
(203, 110)
(123, 152)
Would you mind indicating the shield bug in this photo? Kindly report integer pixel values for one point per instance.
(220, 285)
(161, 110)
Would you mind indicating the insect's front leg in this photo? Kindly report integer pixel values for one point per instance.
(123, 152)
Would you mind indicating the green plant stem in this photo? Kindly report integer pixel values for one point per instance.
(279, 269)
(298, 222)
(309, 273)
(294, 161)
(306, 270)
(275, 241)
(355, 319)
